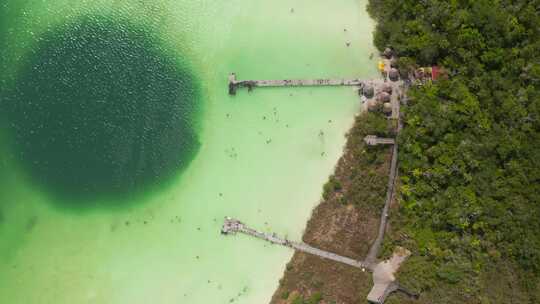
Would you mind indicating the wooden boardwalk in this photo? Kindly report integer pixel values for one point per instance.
(232, 226)
(373, 140)
(383, 271)
(375, 248)
(234, 84)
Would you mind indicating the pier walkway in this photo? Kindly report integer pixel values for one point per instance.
(232, 226)
(383, 271)
(234, 84)
(373, 140)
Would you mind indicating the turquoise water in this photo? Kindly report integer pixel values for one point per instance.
(125, 204)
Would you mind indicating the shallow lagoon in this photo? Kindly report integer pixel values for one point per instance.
(263, 156)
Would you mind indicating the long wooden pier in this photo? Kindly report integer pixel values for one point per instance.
(232, 226)
(234, 84)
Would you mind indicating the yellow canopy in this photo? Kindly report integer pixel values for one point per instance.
(381, 66)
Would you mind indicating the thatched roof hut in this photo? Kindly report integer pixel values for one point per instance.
(383, 97)
(387, 108)
(368, 91)
(394, 62)
(393, 74)
(373, 105)
(419, 73)
(387, 88)
(388, 53)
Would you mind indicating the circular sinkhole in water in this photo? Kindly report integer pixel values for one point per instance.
(101, 110)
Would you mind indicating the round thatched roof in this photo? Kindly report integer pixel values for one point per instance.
(368, 91)
(383, 97)
(387, 108)
(393, 74)
(372, 105)
(394, 62)
(388, 53)
(387, 88)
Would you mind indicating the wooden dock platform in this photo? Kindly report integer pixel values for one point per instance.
(234, 84)
(383, 271)
(232, 226)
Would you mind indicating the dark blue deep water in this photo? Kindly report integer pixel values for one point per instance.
(100, 110)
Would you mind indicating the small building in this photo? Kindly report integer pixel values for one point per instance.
(437, 73)
(372, 105)
(386, 87)
(383, 97)
(368, 91)
(388, 53)
(393, 74)
(394, 62)
(387, 108)
(430, 73)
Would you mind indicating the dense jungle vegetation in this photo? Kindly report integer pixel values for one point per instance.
(470, 148)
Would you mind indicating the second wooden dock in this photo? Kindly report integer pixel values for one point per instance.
(234, 84)
(232, 226)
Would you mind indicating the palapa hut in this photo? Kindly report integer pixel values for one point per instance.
(368, 91)
(388, 53)
(387, 108)
(394, 63)
(383, 97)
(372, 105)
(430, 73)
(387, 88)
(393, 74)
(419, 73)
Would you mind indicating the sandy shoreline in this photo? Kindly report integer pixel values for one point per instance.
(345, 222)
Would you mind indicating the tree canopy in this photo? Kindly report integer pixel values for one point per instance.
(470, 148)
